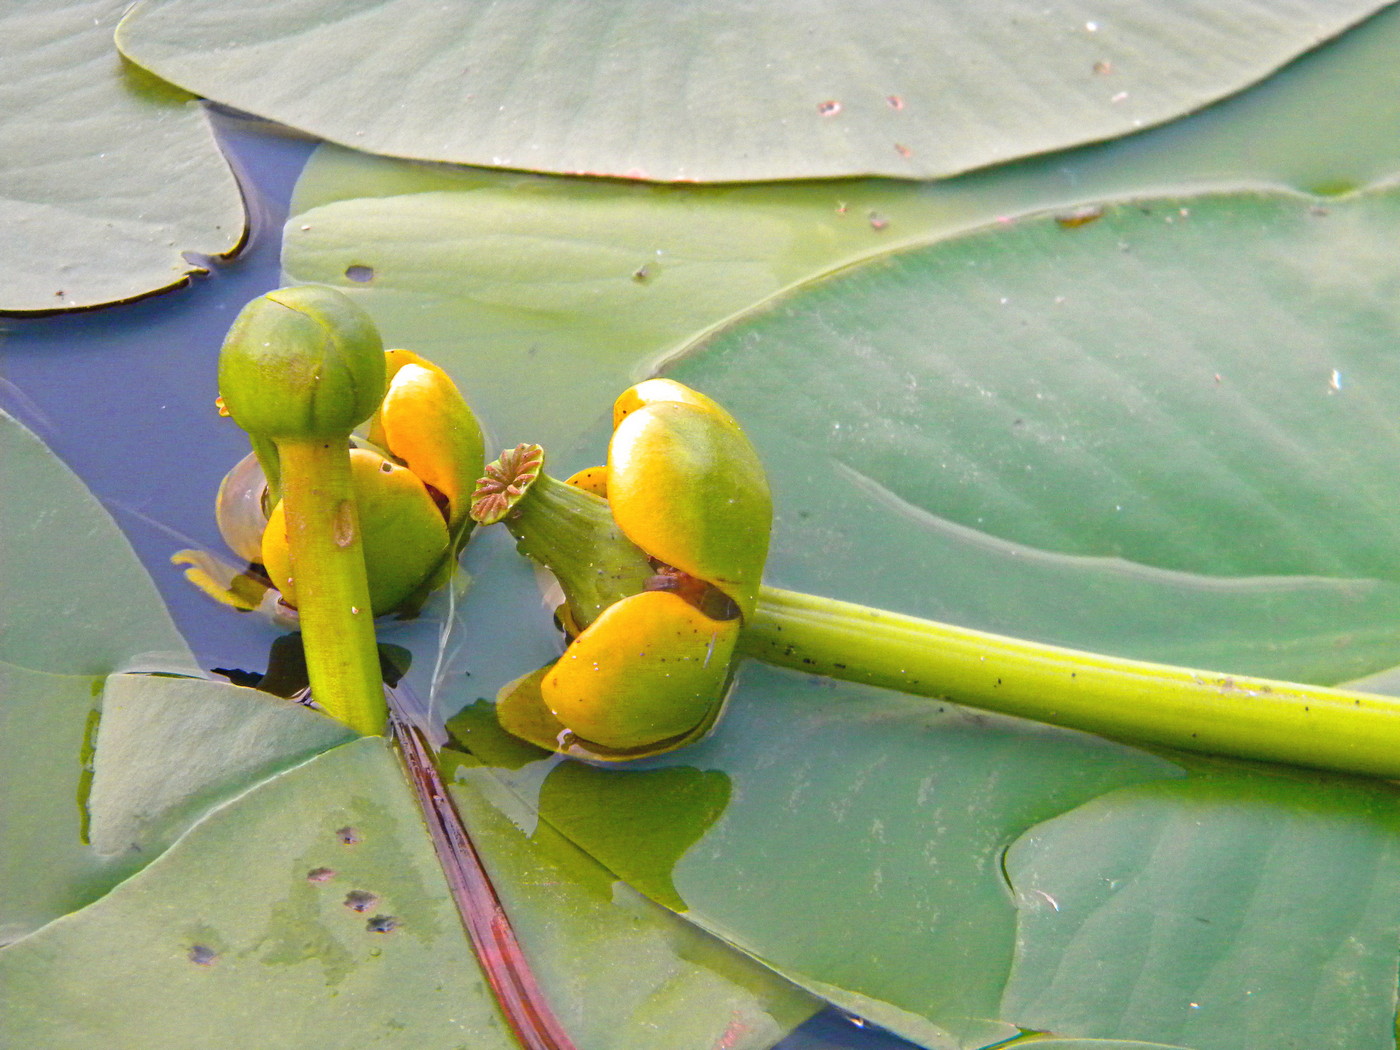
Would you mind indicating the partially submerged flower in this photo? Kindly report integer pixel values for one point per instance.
(660, 555)
(412, 478)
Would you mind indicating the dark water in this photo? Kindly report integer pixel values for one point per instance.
(125, 396)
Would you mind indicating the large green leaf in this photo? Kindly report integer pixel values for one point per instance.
(726, 91)
(572, 285)
(77, 605)
(1282, 892)
(874, 848)
(620, 971)
(918, 799)
(170, 749)
(107, 175)
(312, 910)
(236, 937)
(1168, 432)
(77, 601)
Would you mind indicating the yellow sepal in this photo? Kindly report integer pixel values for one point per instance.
(424, 422)
(649, 670)
(686, 486)
(590, 479)
(405, 538)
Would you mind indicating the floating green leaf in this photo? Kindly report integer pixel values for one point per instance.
(76, 599)
(45, 866)
(107, 175)
(729, 91)
(77, 606)
(246, 933)
(1167, 432)
(916, 800)
(579, 283)
(1282, 892)
(169, 749)
(312, 910)
(621, 971)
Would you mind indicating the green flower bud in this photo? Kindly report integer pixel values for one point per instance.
(303, 362)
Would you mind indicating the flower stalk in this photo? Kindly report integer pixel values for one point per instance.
(300, 369)
(683, 504)
(328, 564)
(1128, 700)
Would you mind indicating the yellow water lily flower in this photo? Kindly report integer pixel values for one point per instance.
(412, 480)
(660, 555)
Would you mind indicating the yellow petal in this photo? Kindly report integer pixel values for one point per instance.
(591, 479)
(424, 421)
(686, 486)
(651, 670)
(405, 538)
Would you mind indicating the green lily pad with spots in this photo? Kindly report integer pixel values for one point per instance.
(312, 910)
(107, 175)
(730, 91)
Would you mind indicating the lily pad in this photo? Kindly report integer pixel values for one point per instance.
(312, 909)
(78, 605)
(730, 92)
(577, 284)
(1166, 432)
(1283, 892)
(622, 971)
(77, 601)
(241, 933)
(45, 865)
(906, 919)
(170, 749)
(108, 175)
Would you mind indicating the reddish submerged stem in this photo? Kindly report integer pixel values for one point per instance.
(488, 927)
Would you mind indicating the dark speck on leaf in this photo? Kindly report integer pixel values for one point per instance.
(347, 835)
(829, 108)
(320, 875)
(361, 900)
(202, 955)
(359, 273)
(382, 924)
(894, 102)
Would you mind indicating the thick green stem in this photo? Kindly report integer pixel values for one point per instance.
(572, 533)
(1138, 702)
(332, 590)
